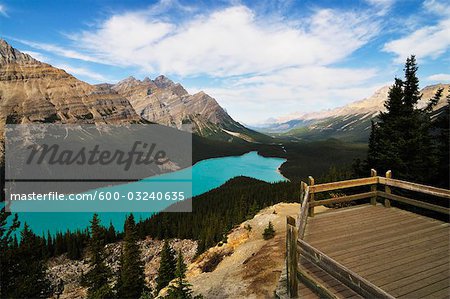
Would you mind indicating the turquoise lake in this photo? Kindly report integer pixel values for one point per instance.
(206, 175)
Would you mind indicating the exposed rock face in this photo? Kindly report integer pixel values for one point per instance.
(32, 91)
(165, 102)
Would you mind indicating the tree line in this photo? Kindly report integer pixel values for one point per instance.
(23, 262)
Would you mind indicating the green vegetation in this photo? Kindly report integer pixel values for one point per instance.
(97, 278)
(219, 210)
(180, 289)
(404, 139)
(269, 232)
(167, 267)
(24, 260)
(131, 278)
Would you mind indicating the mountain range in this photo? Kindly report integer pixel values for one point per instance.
(350, 122)
(32, 91)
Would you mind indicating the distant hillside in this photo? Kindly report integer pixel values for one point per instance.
(348, 123)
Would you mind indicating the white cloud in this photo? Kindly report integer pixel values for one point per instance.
(227, 42)
(3, 10)
(265, 65)
(382, 6)
(306, 89)
(437, 7)
(37, 55)
(441, 78)
(57, 50)
(80, 71)
(431, 41)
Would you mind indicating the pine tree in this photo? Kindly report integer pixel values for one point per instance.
(132, 279)
(30, 279)
(167, 267)
(269, 231)
(8, 246)
(401, 141)
(411, 88)
(442, 126)
(180, 289)
(97, 278)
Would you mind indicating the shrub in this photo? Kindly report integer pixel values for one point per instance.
(269, 232)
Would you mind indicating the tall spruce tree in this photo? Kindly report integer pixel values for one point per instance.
(8, 245)
(401, 139)
(180, 289)
(441, 126)
(97, 278)
(131, 274)
(29, 270)
(167, 267)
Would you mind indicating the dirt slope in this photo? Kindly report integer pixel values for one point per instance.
(251, 266)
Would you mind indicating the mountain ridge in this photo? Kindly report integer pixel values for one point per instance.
(345, 121)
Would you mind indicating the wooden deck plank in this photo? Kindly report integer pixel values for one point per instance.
(360, 229)
(340, 243)
(406, 260)
(405, 281)
(428, 290)
(380, 278)
(363, 224)
(404, 253)
(328, 281)
(348, 214)
(442, 294)
(388, 256)
(399, 243)
(386, 241)
(419, 284)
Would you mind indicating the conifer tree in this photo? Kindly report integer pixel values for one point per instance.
(167, 267)
(97, 278)
(29, 271)
(8, 246)
(132, 282)
(442, 126)
(401, 140)
(180, 289)
(269, 231)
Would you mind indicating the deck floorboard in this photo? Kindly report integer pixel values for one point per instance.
(405, 254)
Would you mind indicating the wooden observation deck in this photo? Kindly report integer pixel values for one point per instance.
(369, 250)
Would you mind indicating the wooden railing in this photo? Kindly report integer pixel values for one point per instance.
(295, 243)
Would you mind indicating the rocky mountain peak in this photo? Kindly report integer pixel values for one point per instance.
(163, 82)
(10, 55)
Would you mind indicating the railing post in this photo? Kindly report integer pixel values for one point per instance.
(291, 257)
(373, 199)
(311, 197)
(302, 190)
(387, 189)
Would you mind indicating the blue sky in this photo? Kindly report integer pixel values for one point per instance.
(259, 59)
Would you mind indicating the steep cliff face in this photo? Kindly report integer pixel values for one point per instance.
(165, 102)
(32, 91)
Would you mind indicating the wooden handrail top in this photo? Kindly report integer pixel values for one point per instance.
(444, 193)
(343, 184)
(415, 187)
